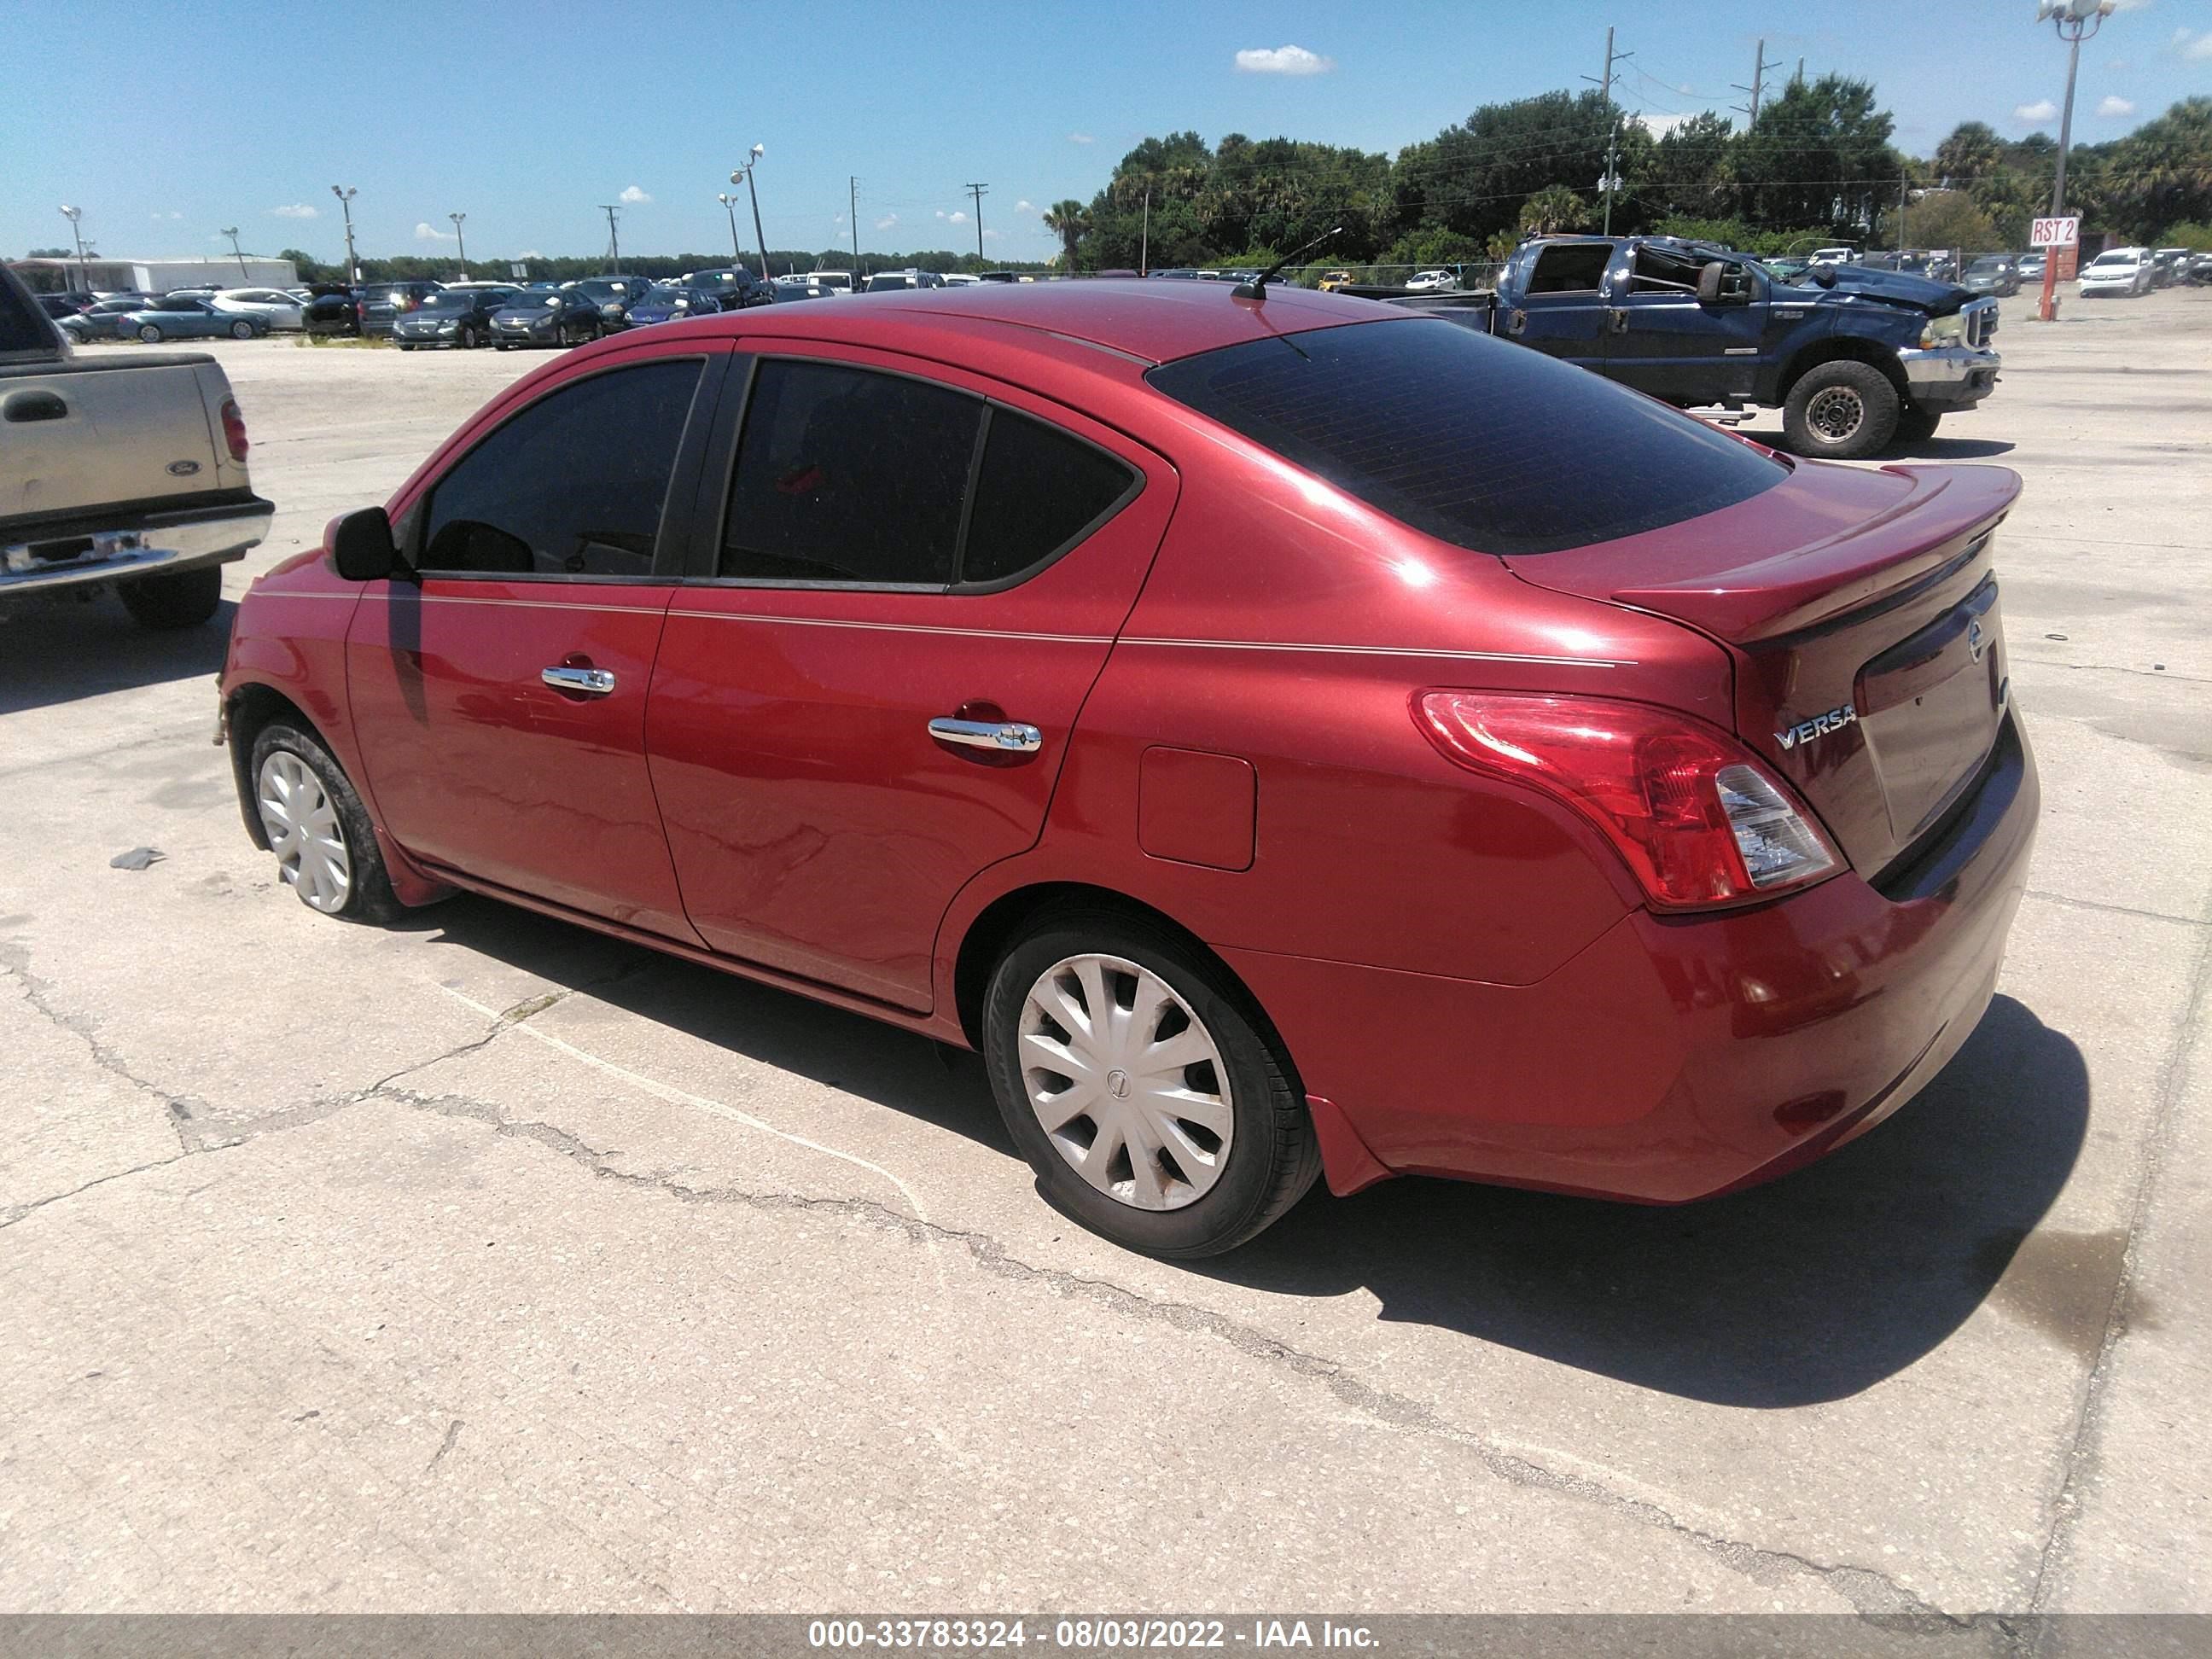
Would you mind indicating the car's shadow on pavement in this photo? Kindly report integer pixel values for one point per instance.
(1950, 449)
(1811, 1288)
(58, 650)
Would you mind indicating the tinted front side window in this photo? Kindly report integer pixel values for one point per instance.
(1470, 439)
(846, 475)
(1038, 490)
(572, 486)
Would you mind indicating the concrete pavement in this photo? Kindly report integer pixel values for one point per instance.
(482, 1262)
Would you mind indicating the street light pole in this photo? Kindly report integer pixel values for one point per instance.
(460, 247)
(74, 215)
(730, 206)
(231, 231)
(2075, 20)
(745, 172)
(345, 195)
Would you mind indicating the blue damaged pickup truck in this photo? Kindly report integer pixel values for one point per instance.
(1854, 358)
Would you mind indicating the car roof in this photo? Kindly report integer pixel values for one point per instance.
(1152, 322)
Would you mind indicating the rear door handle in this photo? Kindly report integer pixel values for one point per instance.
(1009, 737)
(1619, 319)
(589, 681)
(35, 407)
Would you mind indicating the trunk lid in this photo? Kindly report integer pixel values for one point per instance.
(1862, 614)
(136, 428)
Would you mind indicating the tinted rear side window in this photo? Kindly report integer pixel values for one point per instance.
(1039, 491)
(1470, 439)
(847, 475)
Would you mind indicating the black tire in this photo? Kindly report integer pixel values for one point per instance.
(369, 897)
(1843, 410)
(470, 338)
(403, 346)
(242, 331)
(177, 598)
(1916, 425)
(1272, 1155)
(149, 334)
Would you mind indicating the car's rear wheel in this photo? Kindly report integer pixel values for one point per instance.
(1916, 425)
(177, 598)
(470, 338)
(324, 845)
(1155, 1110)
(1840, 412)
(241, 331)
(149, 333)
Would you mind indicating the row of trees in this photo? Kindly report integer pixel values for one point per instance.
(1818, 166)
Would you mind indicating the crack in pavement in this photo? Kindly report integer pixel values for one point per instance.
(16, 963)
(15, 1212)
(1872, 1593)
(2172, 1077)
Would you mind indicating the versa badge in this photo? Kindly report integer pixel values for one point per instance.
(1819, 726)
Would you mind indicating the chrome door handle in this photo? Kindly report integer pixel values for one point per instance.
(1011, 737)
(592, 682)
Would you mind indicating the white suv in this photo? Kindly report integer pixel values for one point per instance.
(2117, 270)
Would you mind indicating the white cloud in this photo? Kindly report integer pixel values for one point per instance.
(2200, 48)
(296, 210)
(530, 253)
(887, 221)
(991, 235)
(426, 232)
(956, 218)
(2110, 108)
(1283, 60)
(940, 213)
(1024, 206)
(159, 217)
(1080, 138)
(634, 196)
(2042, 110)
(1659, 125)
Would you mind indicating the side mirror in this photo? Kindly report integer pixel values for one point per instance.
(362, 545)
(1709, 282)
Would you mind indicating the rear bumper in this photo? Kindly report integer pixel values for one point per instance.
(1676, 1057)
(1950, 377)
(66, 556)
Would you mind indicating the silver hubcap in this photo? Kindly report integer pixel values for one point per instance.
(1127, 1082)
(304, 833)
(1835, 414)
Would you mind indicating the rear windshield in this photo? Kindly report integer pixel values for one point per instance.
(1488, 444)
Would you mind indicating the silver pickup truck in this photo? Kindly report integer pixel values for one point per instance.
(121, 465)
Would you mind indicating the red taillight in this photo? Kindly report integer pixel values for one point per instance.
(360, 309)
(1698, 819)
(233, 429)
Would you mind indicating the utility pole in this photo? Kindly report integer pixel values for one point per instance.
(1758, 85)
(1904, 197)
(345, 193)
(853, 218)
(460, 247)
(231, 231)
(730, 206)
(614, 240)
(1605, 85)
(978, 192)
(1145, 237)
(2075, 20)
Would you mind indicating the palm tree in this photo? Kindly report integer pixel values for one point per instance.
(1068, 221)
(1552, 209)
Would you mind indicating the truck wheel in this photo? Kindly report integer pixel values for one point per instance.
(181, 599)
(325, 844)
(1916, 425)
(1840, 412)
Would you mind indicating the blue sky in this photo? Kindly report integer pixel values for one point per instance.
(165, 124)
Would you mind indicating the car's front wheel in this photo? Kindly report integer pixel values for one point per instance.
(1840, 412)
(176, 598)
(324, 845)
(149, 334)
(1154, 1108)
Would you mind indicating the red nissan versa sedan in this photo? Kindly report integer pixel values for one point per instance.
(1283, 735)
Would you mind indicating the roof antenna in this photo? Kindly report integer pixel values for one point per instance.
(1257, 287)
